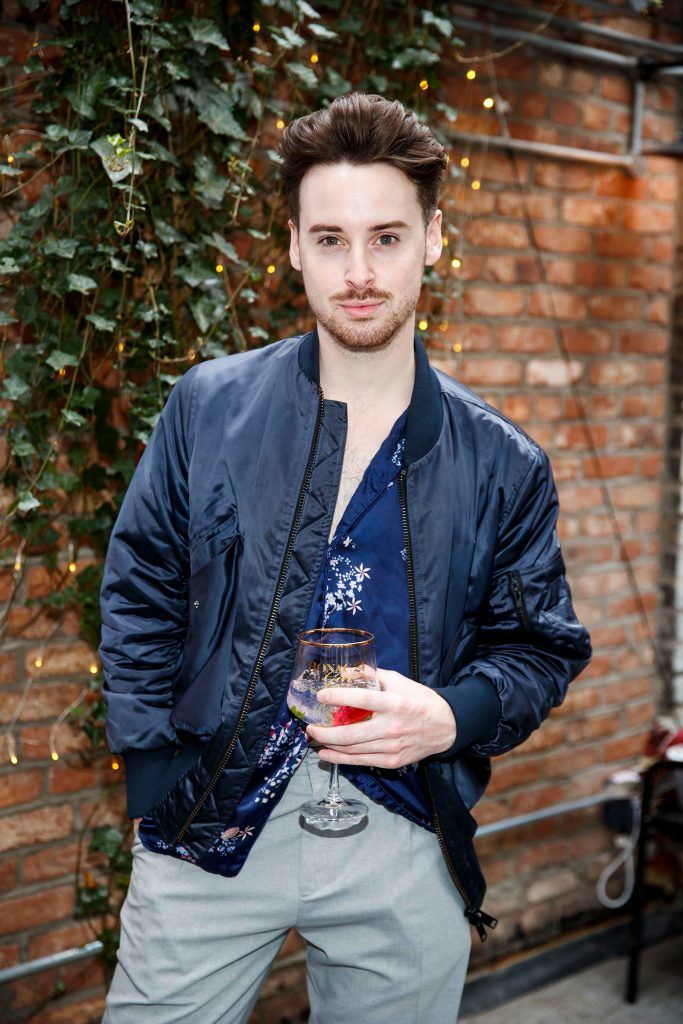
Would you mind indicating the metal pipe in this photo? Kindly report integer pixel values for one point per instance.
(637, 118)
(611, 34)
(70, 956)
(576, 50)
(590, 156)
(545, 812)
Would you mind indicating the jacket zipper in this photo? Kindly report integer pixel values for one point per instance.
(516, 588)
(270, 624)
(478, 917)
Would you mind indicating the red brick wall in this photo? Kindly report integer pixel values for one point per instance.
(607, 243)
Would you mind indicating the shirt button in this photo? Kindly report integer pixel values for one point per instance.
(196, 604)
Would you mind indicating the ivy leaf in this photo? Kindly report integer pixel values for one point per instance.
(74, 418)
(449, 112)
(117, 163)
(76, 138)
(8, 265)
(166, 233)
(86, 398)
(303, 74)
(440, 24)
(203, 30)
(323, 33)
(141, 125)
(287, 38)
(101, 323)
(83, 99)
(306, 10)
(65, 247)
(224, 246)
(213, 109)
(22, 447)
(15, 388)
(58, 360)
(6, 318)
(412, 58)
(210, 186)
(25, 502)
(207, 311)
(106, 839)
(80, 283)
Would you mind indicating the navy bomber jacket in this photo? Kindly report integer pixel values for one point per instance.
(214, 559)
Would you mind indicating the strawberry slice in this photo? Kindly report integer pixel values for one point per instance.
(349, 716)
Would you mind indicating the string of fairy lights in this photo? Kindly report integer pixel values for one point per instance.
(453, 241)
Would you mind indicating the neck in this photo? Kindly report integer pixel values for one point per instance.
(382, 379)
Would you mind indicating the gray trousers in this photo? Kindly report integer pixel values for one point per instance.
(387, 939)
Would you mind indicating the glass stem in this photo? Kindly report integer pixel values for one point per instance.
(333, 794)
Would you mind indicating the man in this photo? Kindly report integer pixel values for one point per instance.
(332, 479)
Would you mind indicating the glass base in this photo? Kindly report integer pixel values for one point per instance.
(334, 816)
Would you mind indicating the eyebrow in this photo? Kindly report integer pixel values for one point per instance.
(317, 228)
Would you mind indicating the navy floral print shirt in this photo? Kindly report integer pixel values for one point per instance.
(363, 583)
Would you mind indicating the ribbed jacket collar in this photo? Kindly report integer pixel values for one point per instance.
(425, 413)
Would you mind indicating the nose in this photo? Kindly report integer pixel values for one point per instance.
(358, 272)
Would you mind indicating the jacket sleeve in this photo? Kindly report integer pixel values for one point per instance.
(530, 644)
(143, 598)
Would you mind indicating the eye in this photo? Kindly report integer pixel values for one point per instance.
(328, 238)
(392, 237)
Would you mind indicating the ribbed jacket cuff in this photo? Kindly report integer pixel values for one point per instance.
(477, 710)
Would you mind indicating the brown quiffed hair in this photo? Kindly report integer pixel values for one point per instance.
(363, 128)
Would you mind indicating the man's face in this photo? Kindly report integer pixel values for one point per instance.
(362, 248)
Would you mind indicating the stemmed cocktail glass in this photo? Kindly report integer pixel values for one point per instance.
(339, 658)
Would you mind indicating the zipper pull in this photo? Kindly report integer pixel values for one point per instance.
(481, 921)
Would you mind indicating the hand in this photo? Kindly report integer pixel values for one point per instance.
(136, 822)
(409, 722)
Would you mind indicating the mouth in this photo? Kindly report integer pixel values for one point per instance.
(362, 309)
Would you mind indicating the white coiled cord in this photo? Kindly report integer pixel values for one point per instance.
(626, 846)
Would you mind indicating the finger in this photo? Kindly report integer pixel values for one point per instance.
(341, 735)
(376, 760)
(355, 697)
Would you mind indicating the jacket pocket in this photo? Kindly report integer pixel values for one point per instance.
(211, 595)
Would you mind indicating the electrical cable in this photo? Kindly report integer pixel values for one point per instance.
(626, 846)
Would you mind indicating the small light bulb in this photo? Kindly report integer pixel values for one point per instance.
(465, 162)
(62, 372)
(476, 185)
(219, 268)
(424, 84)
(456, 263)
(279, 123)
(115, 766)
(443, 326)
(471, 75)
(121, 345)
(17, 565)
(444, 239)
(423, 325)
(314, 58)
(38, 662)
(72, 567)
(10, 159)
(54, 755)
(34, 43)
(457, 347)
(192, 355)
(14, 759)
(93, 670)
(271, 268)
(256, 27)
(488, 102)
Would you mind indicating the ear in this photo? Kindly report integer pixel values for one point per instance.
(434, 241)
(294, 254)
